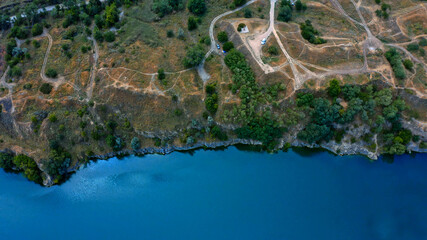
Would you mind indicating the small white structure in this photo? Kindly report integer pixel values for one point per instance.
(245, 30)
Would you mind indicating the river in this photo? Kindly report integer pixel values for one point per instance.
(224, 194)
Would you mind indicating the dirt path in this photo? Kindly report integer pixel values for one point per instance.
(93, 69)
(56, 82)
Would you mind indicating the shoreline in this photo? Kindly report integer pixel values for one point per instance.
(337, 149)
(331, 147)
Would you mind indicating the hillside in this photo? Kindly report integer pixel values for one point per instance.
(87, 80)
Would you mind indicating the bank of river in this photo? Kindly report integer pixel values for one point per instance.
(224, 194)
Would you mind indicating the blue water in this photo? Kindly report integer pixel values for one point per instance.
(226, 194)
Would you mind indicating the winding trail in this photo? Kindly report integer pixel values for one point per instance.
(55, 82)
(201, 68)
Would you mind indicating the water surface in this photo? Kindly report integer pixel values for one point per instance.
(228, 194)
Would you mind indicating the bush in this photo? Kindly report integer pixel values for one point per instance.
(37, 29)
(181, 34)
(408, 64)
(135, 143)
(46, 88)
(15, 72)
(413, 47)
(248, 13)
(423, 42)
(6, 161)
(228, 46)
(273, 50)
(192, 23)
(396, 63)
(299, 6)
(285, 13)
(211, 101)
(222, 37)
(334, 88)
(52, 118)
(310, 34)
(51, 73)
(110, 36)
(239, 3)
(36, 44)
(197, 7)
(194, 56)
(29, 167)
(239, 28)
(216, 132)
(170, 34)
(161, 74)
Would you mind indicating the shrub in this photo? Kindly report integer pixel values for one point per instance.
(178, 112)
(192, 23)
(228, 46)
(181, 34)
(248, 13)
(239, 2)
(334, 88)
(194, 56)
(15, 72)
(46, 88)
(52, 118)
(285, 13)
(170, 34)
(37, 29)
(423, 42)
(408, 64)
(135, 143)
(273, 50)
(110, 36)
(51, 73)
(28, 86)
(396, 63)
(216, 132)
(6, 161)
(161, 74)
(222, 37)
(197, 7)
(239, 28)
(29, 167)
(413, 47)
(36, 44)
(310, 34)
(97, 34)
(299, 6)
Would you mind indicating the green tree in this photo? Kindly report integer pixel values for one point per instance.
(51, 73)
(192, 23)
(222, 37)
(197, 7)
(135, 143)
(239, 3)
(53, 118)
(334, 88)
(408, 64)
(29, 168)
(228, 46)
(111, 15)
(46, 88)
(37, 29)
(109, 36)
(161, 74)
(285, 14)
(194, 56)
